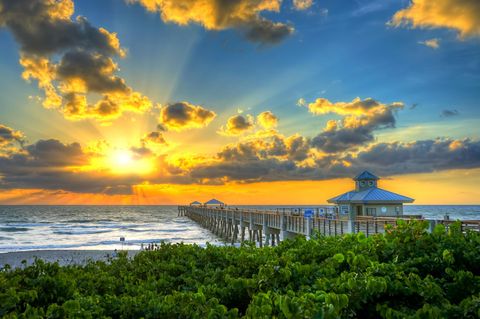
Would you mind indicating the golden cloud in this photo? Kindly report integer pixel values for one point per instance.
(302, 4)
(183, 115)
(357, 107)
(360, 119)
(70, 59)
(9, 136)
(267, 120)
(154, 137)
(243, 15)
(111, 106)
(42, 70)
(460, 15)
(237, 125)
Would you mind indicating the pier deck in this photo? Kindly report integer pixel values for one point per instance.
(270, 227)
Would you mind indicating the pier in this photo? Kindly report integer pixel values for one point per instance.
(269, 227)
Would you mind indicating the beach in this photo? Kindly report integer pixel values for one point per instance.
(64, 257)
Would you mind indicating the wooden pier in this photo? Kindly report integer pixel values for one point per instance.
(270, 227)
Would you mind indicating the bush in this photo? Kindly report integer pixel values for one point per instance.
(407, 273)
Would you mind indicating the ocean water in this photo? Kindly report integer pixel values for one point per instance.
(94, 227)
(100, 227)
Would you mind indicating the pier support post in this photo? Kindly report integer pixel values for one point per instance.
(309, 228)
(260, 237)
(265, 229)
(351, 224)
(431, 225)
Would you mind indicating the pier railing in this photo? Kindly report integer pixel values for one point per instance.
(269, 227)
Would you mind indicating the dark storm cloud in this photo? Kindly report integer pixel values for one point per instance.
(183, 115)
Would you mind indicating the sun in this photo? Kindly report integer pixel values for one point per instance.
(122, 158)
(122, 161)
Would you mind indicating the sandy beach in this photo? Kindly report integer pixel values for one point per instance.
(64, 257)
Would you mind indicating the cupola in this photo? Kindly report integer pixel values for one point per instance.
(365, 181)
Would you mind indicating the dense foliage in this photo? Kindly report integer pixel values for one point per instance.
(406, 273)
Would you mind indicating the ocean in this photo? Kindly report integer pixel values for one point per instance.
(101, 227)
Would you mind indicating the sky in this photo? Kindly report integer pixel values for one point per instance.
(248, 101)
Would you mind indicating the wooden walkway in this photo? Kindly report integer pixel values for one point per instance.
(270, 227)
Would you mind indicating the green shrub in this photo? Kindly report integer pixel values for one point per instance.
(407, 273)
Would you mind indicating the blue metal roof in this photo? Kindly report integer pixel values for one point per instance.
(214, 201)
(372, 194)
(365, 175)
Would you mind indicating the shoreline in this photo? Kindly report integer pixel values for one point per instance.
(64, 257)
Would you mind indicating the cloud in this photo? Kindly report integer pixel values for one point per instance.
(95, 72)
(256, 162)
(242, 15)
(431, 43)
(236, 125)
(54, 153)
(70, 59)
(450, 113)
(260, 159)
(9, 136)
(460, 15)
(49, 164)
(267, 120)
(183, 115)
(301, 102)
(53, 165)
(368, 107)
(360, 119)
(302, 4)
(420, 156)
(154, 137)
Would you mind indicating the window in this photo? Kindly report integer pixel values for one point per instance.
(370, 183)
(371, 212)
(362, 183)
